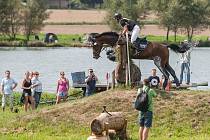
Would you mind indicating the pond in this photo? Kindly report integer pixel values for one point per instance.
(50, 61)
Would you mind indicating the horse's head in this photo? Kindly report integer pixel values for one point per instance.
(97, 50)
(91, 39)
(95, 44)
(98, 40)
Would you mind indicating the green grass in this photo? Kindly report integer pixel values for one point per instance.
(73, 94)
(181, 117)
(63, 40)
(75, 40)
(171, 38)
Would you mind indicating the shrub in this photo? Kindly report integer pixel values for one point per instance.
(204, 43)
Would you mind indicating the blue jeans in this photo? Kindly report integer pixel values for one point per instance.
(37, 97)
(89, 92)
(185, 66)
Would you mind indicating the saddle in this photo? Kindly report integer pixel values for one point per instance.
(140, 44)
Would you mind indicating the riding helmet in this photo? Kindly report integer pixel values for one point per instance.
(117, 16)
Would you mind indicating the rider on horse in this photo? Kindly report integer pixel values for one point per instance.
(128, 26)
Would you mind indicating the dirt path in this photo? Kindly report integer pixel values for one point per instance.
(81, 29)
(92, 16)
(76, 16)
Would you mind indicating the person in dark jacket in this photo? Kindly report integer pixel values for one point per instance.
(91, 83)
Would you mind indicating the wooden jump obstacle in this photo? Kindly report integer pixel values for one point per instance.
(99, 87)
(109, 125)
(185, 86)
(78, 79)
(121, 72)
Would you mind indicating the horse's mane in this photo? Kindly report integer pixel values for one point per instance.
(108, 34)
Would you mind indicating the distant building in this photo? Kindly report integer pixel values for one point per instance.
(58, 4)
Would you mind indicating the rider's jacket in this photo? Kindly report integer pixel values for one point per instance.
(130, 23)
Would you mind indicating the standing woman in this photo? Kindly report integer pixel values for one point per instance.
(37, 88)
(26, 86)
(62, 88)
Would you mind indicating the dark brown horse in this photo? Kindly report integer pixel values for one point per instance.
(157, 52)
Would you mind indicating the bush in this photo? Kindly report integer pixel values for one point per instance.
(36, 44)
(10, 43)
(204, 43)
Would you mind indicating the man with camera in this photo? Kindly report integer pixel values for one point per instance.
(91, 83)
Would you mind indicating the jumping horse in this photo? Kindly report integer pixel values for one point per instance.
(157, 52)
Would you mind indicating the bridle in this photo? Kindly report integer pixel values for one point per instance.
(104, 48)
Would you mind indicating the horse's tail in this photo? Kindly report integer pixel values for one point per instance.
(175, 48)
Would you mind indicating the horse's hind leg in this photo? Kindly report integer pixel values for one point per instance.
(173, 74)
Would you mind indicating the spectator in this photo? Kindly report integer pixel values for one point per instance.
(26, 86)
(7, 86)
(146, 117)
(51, 39)
(154, 80)
(91, 83)
(36, 37)
(37, 88)
(62, 88)
(31, 74)
(185, 63)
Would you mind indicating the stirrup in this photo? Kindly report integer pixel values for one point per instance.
(137, 52)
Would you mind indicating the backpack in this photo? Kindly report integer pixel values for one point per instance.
(142, 101)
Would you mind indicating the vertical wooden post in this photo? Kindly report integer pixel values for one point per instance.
(113, 79)
(126, 75)
(128, 64)
(107, 80)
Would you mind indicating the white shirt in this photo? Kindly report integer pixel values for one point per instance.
(8, 85)
(185, 57)
(35, 81)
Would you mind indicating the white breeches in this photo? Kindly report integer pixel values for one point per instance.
(135, 33)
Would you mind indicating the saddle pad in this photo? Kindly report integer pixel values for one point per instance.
(140, 43)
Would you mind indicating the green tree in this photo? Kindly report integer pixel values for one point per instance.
(34, 16)
(187, 15)
(162, 7)
(194, 15)
(10, 17)
(92, 3)
(131, 9)
(173, 18)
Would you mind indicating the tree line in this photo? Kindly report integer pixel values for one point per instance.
(186, 16)
(80, 4)
(22, 16)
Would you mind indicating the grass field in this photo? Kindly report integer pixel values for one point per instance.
(71, 40)
(182, 117)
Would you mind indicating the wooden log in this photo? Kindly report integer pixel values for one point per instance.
(94, 137)
(115, 121)
(184, 86)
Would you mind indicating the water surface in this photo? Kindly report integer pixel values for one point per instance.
(50, 61)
